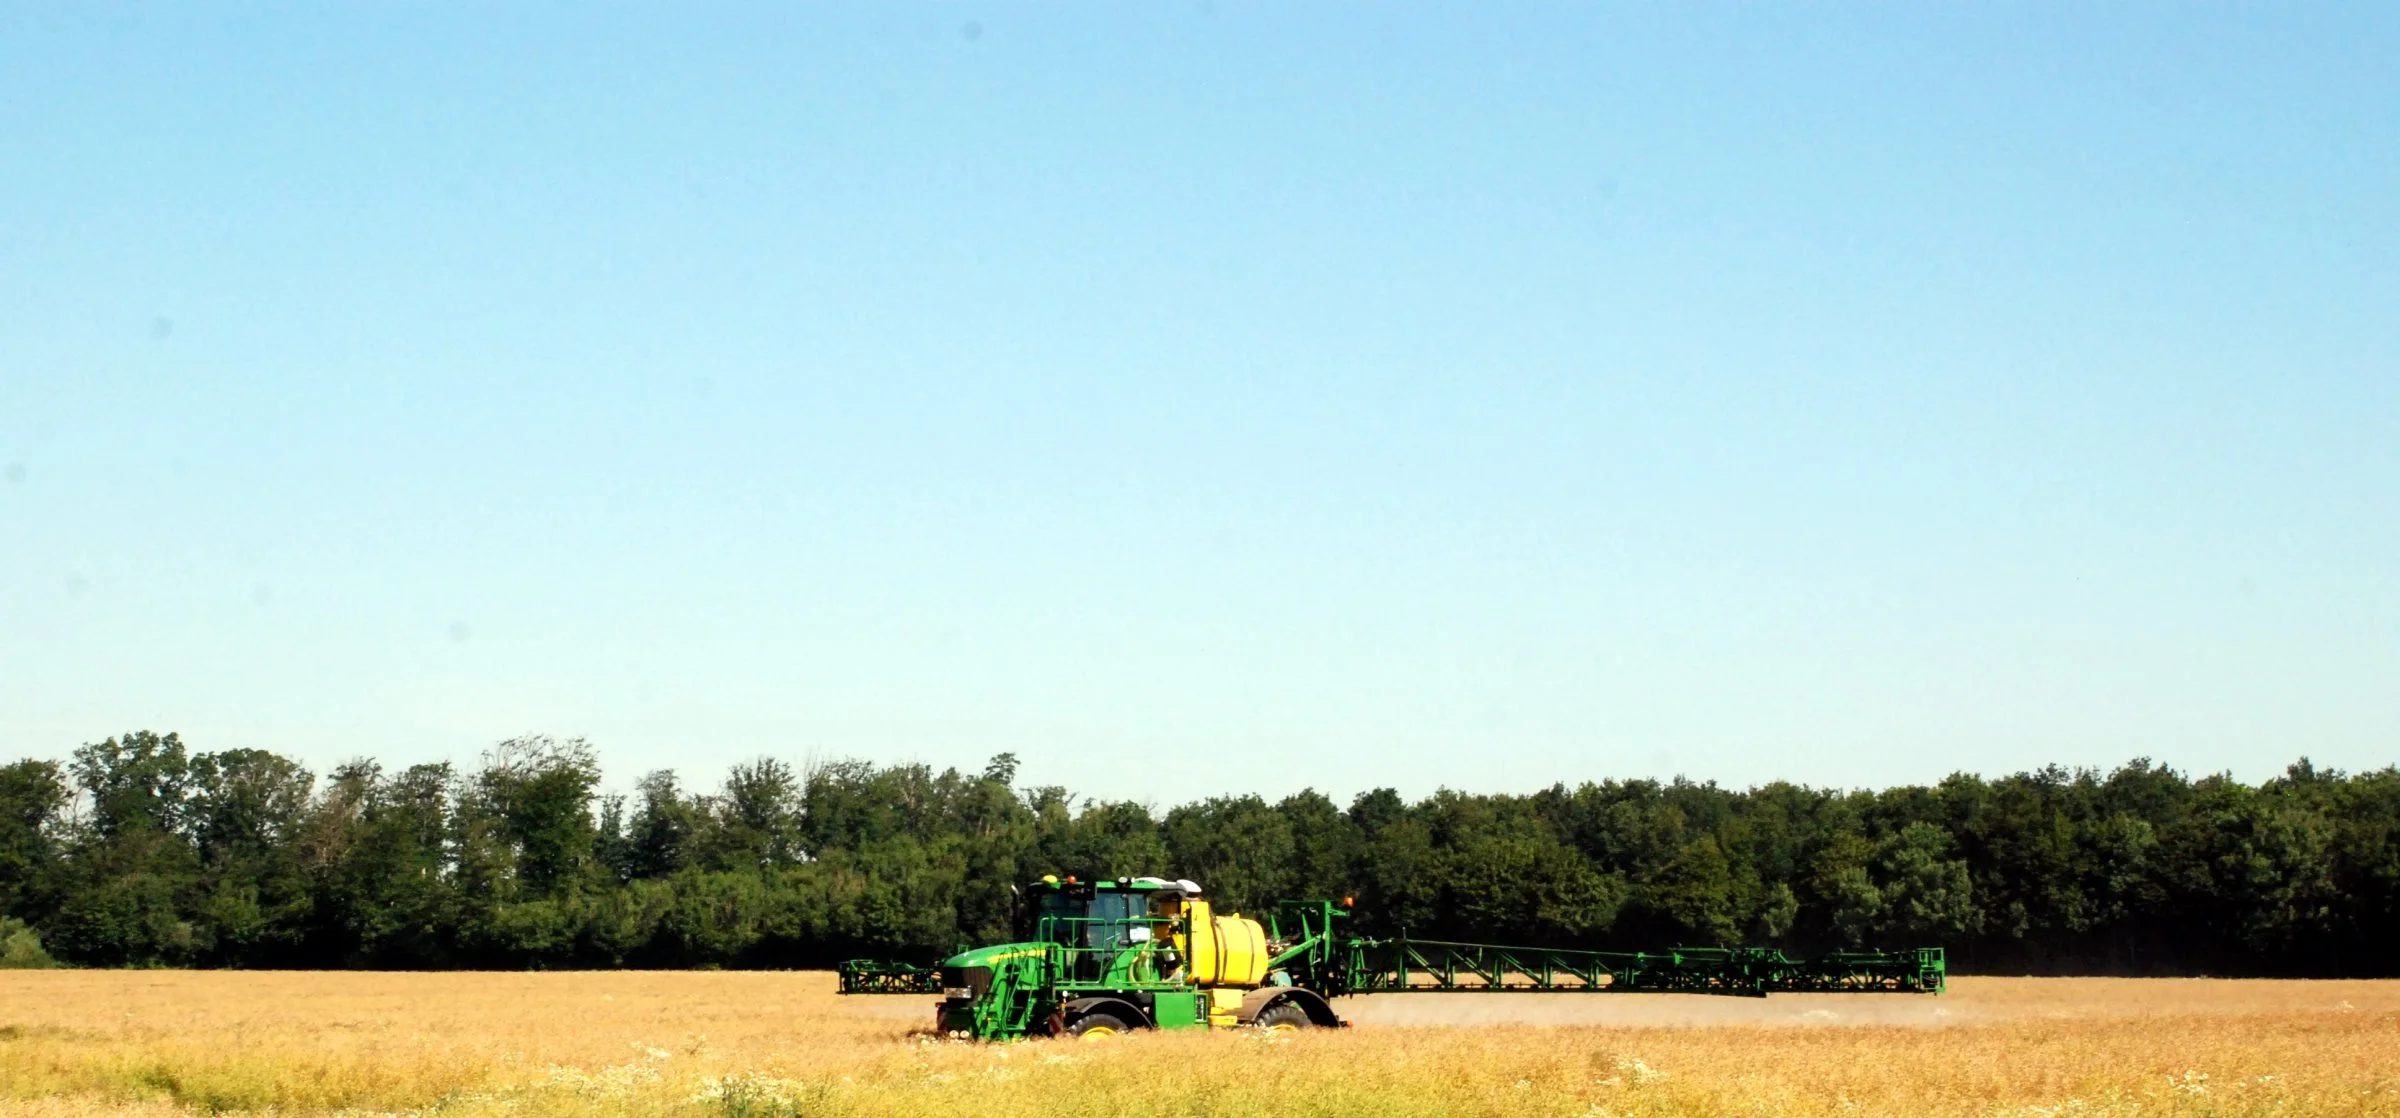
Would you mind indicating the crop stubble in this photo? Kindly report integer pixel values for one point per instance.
(87, 1042)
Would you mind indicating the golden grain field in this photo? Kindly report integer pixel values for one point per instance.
(736, 1044)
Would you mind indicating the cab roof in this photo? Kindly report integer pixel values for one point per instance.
(1181, 886)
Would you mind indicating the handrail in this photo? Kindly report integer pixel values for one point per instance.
(1074, 962)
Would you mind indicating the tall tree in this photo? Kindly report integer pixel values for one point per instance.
(31, 794)
(759, 828)
(137, 782)
(539, 792)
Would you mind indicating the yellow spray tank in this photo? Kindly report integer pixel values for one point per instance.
(1225, 955)
(1222, 950)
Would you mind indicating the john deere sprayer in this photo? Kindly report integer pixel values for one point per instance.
(1104, 957)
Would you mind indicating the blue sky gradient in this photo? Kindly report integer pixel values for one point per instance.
(1196, 399)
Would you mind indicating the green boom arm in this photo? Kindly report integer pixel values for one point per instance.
(1316, 954)
(1404, 965)
(1325, 960)
(874, 976)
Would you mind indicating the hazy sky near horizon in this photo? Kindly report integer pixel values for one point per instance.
(1207, 398)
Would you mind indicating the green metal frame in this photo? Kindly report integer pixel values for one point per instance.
(874, 976)
(1117, 966)
(1405, 965)
(1323, 959)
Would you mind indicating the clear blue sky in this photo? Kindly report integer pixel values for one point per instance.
(1206, 398)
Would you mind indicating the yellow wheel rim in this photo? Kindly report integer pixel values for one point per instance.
(1283, 1027)
(1099, 1032)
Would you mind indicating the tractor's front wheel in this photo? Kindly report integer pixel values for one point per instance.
(1283, 1018)
(1098, 1026)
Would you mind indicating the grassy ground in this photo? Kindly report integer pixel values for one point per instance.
(92, 1042)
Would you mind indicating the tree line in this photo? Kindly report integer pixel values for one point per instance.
(141, 852)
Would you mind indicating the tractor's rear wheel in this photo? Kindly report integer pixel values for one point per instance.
(1098, 1026)
(1283, 1017)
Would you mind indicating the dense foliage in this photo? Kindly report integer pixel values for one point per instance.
(141, 852)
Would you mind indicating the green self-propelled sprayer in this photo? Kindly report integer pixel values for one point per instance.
(1103, 957)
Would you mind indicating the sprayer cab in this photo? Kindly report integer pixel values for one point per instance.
(1097, 914)
(1146, 928)
(1105, 956)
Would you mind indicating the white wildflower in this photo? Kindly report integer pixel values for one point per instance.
(750, 1087)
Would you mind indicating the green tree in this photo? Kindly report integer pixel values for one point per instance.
(1926, 895)
(1239, 849)
(137, 782)
(759, 816)
(1844, 892)
(31, 794)
(21, 946)
(380, 852)
(1325, 847)
(660, 835)
(1111, 840)
(1502, 871)
(1694, 893)
(244, 804)
(539, 792)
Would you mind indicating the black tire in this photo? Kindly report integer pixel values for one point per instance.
(1093, 1026)
(1282, 1017)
